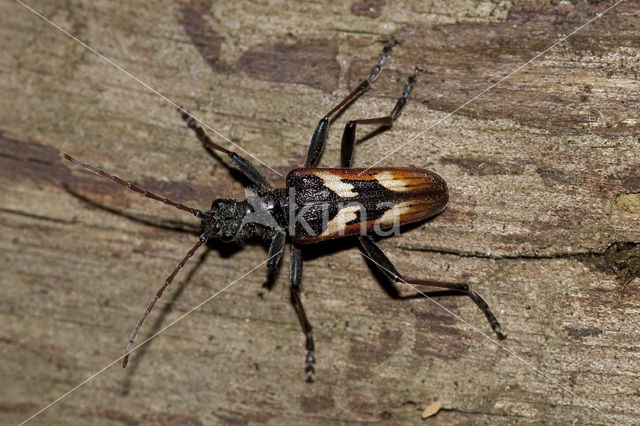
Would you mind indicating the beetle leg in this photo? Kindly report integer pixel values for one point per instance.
(245, 166)
(275, 250)
(349, 135)
(382, 262)
(319, 138)
(296, 281)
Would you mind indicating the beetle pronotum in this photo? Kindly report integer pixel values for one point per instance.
(319, 204)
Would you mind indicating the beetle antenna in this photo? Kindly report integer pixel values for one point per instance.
(127, 351)
(133, 187)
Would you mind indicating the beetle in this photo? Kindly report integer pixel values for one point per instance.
(319, 204)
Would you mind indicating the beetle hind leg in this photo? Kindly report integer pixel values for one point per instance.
(382, 262)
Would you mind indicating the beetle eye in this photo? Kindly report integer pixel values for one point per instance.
(214, 227)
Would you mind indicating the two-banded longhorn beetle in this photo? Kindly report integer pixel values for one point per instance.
(319, 204)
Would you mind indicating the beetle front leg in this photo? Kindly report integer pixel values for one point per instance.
(349, 135)
(245, 166)
(382, 262)
(276, 248)
(319, 138)
(296, 281)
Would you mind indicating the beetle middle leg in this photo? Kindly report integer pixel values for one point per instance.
(319, 138)
(296, 280)
(382, 262)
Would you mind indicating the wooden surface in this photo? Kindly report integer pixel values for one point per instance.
(543, 170)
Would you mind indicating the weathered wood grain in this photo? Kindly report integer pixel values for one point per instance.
(543, 170)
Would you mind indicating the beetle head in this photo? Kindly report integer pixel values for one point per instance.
(224, 220)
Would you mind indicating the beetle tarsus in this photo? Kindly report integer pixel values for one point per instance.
(309, 367)
(386, 52)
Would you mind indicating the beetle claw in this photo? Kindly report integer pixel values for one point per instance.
(263, 290)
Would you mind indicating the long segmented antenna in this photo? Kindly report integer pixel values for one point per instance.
(133, 187)
(168, 281)
(144, 192)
